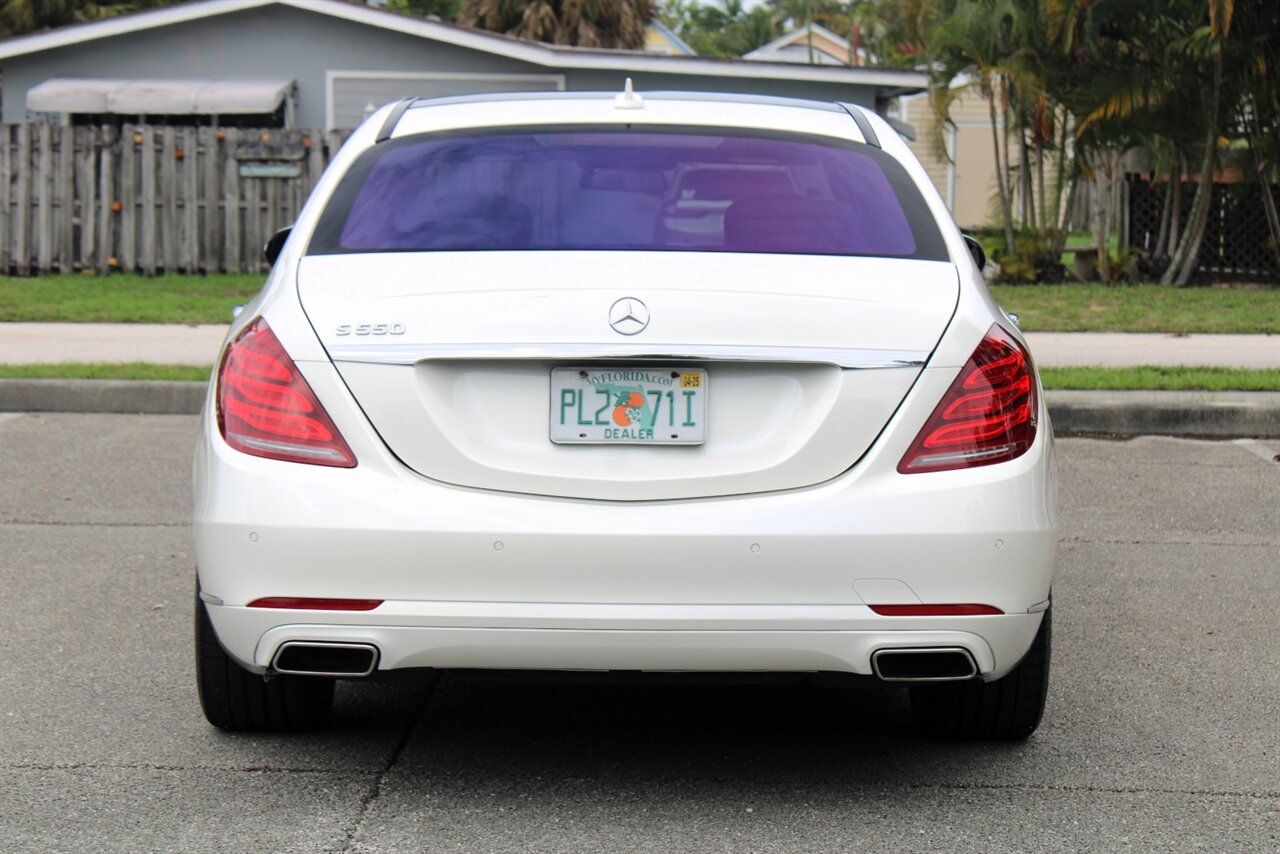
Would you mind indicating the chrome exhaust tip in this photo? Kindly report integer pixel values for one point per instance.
(924, 664)
(318, 658)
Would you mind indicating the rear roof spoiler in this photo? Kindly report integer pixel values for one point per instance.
(864, 126)
(854, 111)
(393, 119)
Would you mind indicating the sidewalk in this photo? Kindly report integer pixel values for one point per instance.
(1075, 413)
(32, 343)
(164, 344)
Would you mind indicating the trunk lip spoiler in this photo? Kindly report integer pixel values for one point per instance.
(410, 354)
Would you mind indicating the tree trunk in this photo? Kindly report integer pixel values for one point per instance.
(1175, 219)
(1066, 212)
(1188, 256)
(1100, 201)
(1264, 193)
(1005, 211)
(1273, 216)
(1166, 211)
(1196, 225)
(1061, 216)
(1004, 138)
(1024, 169)
(1044, 202)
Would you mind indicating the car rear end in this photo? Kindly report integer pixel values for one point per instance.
(563, 384)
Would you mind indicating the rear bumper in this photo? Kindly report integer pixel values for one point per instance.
(648, 638)
(479, 579)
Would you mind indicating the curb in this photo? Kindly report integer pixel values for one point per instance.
(1200, 415)
(1190, 414)
(140, 397)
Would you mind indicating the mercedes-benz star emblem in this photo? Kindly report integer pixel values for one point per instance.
(628, 316)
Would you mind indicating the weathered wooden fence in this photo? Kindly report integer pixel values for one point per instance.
(150, 199)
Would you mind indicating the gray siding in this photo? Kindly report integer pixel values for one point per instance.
(274, 42)
(283, 42)
(611, 81)
(352, 95)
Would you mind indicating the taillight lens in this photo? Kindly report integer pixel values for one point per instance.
(987, 416)
(266, 408)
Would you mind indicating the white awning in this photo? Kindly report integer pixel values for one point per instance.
(157, 97)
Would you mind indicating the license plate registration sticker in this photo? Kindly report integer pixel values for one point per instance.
(629, 406)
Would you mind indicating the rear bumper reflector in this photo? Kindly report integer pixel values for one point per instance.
(917, 610)
(313, 604)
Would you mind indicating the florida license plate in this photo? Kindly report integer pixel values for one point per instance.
(629, 406)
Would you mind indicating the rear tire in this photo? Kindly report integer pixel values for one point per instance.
(1009, 708)
(240, 701)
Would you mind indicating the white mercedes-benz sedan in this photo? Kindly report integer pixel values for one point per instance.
(636, 382)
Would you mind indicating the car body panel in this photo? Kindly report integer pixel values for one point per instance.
(400, 328)
(479, 570)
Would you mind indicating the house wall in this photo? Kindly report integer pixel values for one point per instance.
(335, 65)
(825, 51)
(610, 81)
(268, 42)
(968, 184)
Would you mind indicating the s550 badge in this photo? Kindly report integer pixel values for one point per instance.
(370, 329)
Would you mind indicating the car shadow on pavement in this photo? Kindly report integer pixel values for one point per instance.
(482, 732)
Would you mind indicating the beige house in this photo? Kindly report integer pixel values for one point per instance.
(812, 44)
(967, 180)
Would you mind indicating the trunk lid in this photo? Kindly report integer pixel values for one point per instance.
(450, 355)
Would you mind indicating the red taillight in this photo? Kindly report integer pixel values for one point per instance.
(266, 408)
(313, 604)
(936, 610)
(987, 416)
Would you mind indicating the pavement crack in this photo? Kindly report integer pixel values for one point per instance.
(367, 802)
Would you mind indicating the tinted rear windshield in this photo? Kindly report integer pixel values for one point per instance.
(628, 190)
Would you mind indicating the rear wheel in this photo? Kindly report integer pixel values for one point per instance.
(1009, 708)
(235, 699)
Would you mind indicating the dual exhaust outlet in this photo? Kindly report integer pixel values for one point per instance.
(924, 664)
(354, 660)
(317, 658)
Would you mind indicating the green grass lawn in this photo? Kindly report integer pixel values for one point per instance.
(1163, 378)
(123, 298)
(104, 371)
(1118, 379)
(1043, 308)
(1141, 308)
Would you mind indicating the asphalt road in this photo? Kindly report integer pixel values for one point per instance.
(1161, 732)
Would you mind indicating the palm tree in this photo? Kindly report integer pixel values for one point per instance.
(584, 23)
(18, 17)
(979, 41)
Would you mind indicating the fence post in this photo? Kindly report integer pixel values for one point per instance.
(106, 142)
(6, 199)
(147, 224)
(167, 198)
(129, 142)
(21, 230)
(44, 185)
(85, 188)
(211, 233)
(231, 205)
(64, 246)
(188, 239)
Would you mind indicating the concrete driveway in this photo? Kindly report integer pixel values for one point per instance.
(1160, 734)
